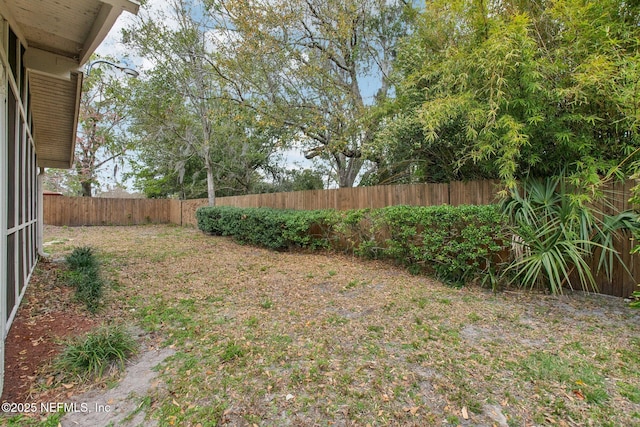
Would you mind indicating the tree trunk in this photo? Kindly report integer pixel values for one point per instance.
(211, 187)
(348, 169)
(86, 188)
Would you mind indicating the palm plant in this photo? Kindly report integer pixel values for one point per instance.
(557, 235)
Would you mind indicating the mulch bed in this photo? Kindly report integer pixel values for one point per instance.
(48, 315)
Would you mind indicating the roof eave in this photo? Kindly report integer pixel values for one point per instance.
(109, 13)
(55, 109)
(57, 84)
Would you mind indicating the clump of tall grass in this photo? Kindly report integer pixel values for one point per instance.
(84, 275)
(93, 354)
(81, 258)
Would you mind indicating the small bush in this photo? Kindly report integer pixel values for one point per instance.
(84, 275)
(457, 244)
(81, 258)
(93, 354)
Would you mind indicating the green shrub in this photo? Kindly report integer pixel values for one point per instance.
(272, 228)
(91, 355)
(457, 244)
(355, 233)
(310, 229)
(84, 275)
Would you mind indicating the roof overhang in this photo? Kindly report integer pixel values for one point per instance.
(55, 105)
(60, 37)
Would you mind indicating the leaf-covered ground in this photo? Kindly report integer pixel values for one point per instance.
(314, 339)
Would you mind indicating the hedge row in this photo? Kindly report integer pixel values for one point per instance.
(272, 228)
(457, 244)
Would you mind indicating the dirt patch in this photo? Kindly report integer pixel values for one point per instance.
(121, 405)
(47, 316)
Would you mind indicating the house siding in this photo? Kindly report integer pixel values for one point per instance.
(18, 182)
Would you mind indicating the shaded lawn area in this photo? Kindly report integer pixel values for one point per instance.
(268, 338)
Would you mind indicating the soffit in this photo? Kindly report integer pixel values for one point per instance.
(69, 28)
(60, 36)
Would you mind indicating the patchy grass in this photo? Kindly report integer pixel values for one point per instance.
(273, 339)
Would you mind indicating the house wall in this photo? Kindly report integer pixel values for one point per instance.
(18, 183)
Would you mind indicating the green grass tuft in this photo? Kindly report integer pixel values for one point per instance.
(81, 258)
(231, 351)
(84, 275)
(90, 356)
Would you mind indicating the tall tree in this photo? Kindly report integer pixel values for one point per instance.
(182, 106)
(102, 137)
(313, 66)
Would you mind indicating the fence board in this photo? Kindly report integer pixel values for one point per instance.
(473, 192)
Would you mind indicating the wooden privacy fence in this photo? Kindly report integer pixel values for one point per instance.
(455, 194)
(79, 211)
